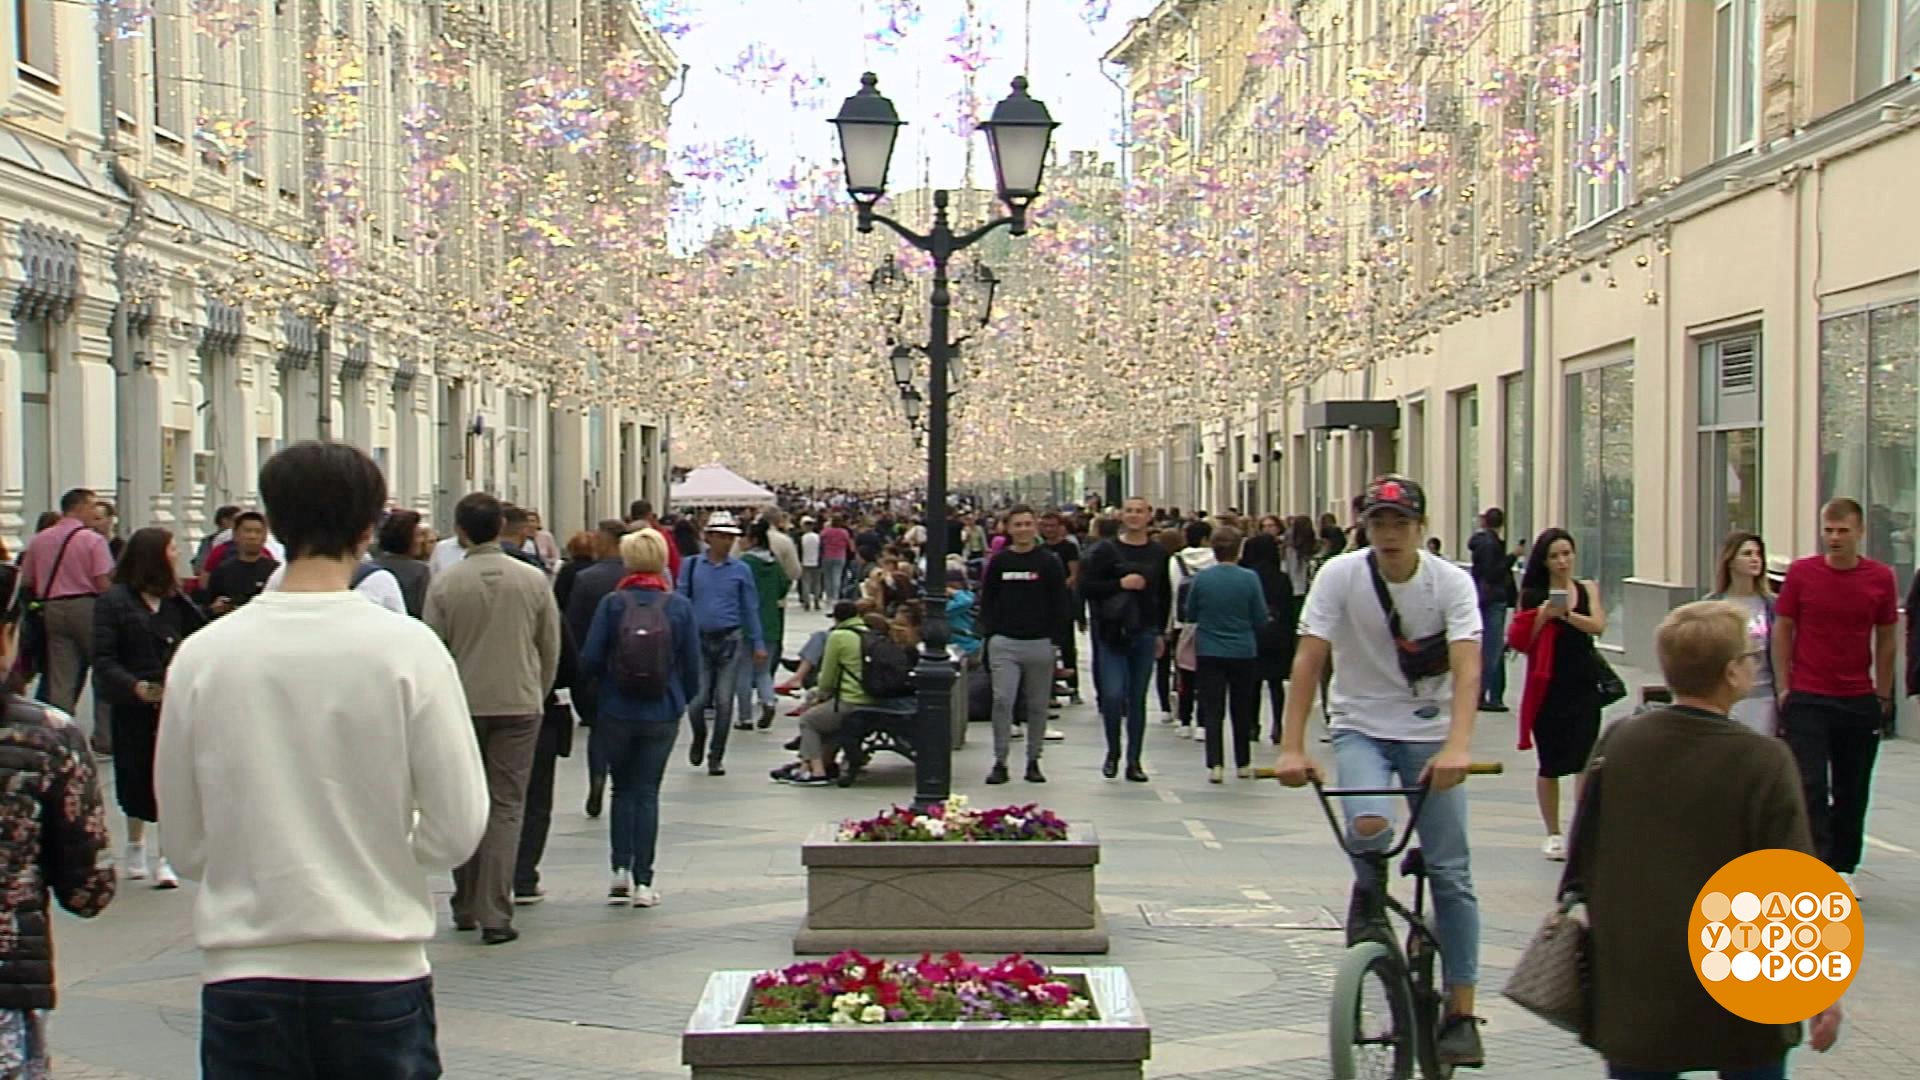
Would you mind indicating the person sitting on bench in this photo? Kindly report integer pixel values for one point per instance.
(838, 693)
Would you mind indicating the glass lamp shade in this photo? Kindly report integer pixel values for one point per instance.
(911, 402)
(1018, 135)
(902, 360)
(868, 126)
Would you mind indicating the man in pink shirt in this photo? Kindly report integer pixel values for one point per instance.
(835, 544)
(67, 565)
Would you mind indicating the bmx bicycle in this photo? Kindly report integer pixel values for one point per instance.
(1387, 1008)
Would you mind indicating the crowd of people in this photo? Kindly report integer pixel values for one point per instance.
(289, 779)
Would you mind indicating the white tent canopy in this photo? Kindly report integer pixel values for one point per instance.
(717, 485)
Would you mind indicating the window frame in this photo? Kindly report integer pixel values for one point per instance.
(1467, 500)
(28, 40)
(1605, 105)
(1737, 53)
(1713, 436)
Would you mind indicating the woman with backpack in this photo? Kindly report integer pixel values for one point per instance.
(643, 651)
(842, 687)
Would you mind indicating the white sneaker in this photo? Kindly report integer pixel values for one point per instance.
(619, 892)
(1217, 775)
(1853, 885)
(1167, 718)
(645, 896)
(163, 875)
(1054, 734)
(1555, 848)
(1019, 732)
(1193, 732)
(135, 863)
(1246, 772)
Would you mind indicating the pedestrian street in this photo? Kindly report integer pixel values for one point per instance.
(1200, 886)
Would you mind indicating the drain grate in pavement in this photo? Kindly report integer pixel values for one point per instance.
(1245, 917)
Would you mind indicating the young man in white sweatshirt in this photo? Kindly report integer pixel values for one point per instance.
(298, 742)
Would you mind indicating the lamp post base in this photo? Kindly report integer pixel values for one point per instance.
(933, 679)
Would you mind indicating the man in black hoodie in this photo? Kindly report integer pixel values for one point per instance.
(1125, 583)
(1022, 595)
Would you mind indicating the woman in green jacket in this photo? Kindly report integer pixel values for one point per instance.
(770, 583)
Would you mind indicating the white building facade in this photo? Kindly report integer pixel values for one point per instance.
(171, 313)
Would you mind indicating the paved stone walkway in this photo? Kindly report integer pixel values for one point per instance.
(1194, 880)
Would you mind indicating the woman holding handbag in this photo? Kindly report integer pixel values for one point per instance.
(137, 626)
(1736, 792)
(1560, 618)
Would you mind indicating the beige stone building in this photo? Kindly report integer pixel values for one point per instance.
(176, 304)
(1714, 324)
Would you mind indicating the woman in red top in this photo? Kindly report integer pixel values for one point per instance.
(836, 543)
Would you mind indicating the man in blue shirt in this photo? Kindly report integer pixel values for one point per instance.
(725, 607)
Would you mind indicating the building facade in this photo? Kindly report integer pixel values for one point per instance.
(1694, 309)
(223, 233)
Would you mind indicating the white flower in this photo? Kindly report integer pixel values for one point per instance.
(1076, 1008)
(934, 826)
(844, 835)
(840, 1018)
(1014, 821)
(849, 1003)
(873, 1014)
(956, 803)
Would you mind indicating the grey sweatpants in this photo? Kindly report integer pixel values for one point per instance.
(1020, 665)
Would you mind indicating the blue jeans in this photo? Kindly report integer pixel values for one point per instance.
(1122, 674)
(302, 1029)
(1776, 1071)
(1493, 654)
(1367, 762)
(754, 675)
(721, 653)
(636, 756)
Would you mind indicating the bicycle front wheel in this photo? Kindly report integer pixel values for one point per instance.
(1370, 1030)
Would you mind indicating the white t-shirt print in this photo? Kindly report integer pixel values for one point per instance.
(1369, 694)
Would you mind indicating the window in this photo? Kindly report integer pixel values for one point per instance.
(1416, 438)
(36, 414)
(1605, 108)
(1193, 118)
(1869, 405)
(1736, 75)
(1730, 416)
(169, 112)
(1600, 481)
(252, 93)
(35, 46)
(1515, 434)
(1466, 467)
(1886, 43)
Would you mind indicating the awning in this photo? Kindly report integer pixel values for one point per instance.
(717, 485)
(1353, 415)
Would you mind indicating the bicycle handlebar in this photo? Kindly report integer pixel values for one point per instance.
(1414, 795)
(1478, 768)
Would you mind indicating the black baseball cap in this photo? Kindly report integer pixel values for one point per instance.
(1394, 492)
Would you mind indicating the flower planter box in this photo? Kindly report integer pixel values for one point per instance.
(1112, 1046)
(973, 897)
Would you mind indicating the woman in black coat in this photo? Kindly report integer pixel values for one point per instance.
(1280, 634)
(137, 625)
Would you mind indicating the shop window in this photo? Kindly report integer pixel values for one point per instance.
(1600, 481)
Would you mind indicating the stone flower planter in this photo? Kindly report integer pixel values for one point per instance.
(981, 897)
(1111, 1047)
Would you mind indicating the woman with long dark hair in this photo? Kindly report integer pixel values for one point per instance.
(686, 538)
(1560, 618)
(1740, 578)
(137, 625)
(1278, 636)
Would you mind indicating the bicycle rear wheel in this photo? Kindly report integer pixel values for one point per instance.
(1371, 1029)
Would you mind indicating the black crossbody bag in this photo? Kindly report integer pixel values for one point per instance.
(1426, 658)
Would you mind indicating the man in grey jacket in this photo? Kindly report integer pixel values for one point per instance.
(503, 628)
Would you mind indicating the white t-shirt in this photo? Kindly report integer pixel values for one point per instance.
(810, 549)
(381, 588)
(446, 554)
(1369, 693)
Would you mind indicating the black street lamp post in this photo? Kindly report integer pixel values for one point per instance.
(1018, 135)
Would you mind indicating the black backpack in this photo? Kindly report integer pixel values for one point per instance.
(886, 667)
(642, 656)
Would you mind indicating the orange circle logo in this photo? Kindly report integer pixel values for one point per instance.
(1775, 937)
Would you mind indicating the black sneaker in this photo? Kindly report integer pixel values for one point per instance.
(792, 744)
(998, 774)
(596, 794)
(766, 717)
(1459, 1043)
(1363, 923)
(785, 772)
(809, 780)
(714, 768)
(1034, 775)
(1136, 774)
(499, 936)
(743, 725)
(1494, 706)
(1110, 768)
(697, 752)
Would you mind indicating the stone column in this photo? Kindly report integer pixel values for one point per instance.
(13, 524)
(86, 409)
(569, 508)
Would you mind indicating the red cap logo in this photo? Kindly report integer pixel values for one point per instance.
(1390, 492)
